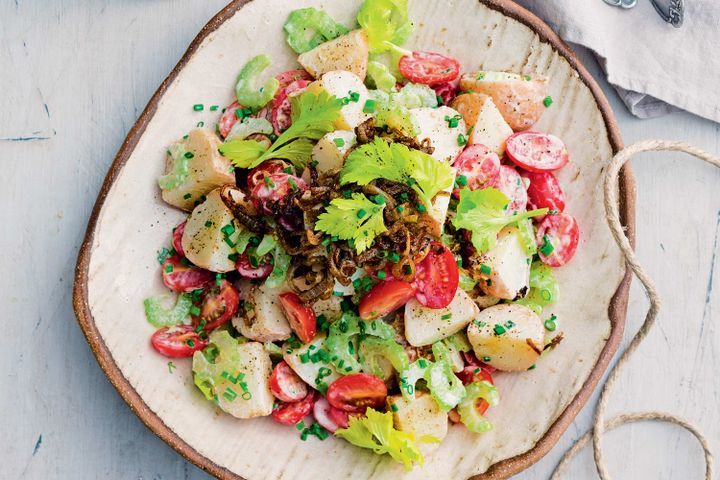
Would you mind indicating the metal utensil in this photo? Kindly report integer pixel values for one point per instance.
(675, 13)
(622, 3)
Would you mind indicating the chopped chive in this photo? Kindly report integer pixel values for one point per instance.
(379, 199)
(548, 101)
(198, 107)
(550, 324)
(187, 196)
(447, 316)
(208, 224)
(381, 274)
(339, 142)
(189, 155)
(361, 213)
(480, 76)
(170, 365)
(547, 247)
(369, 106)
(354, 96)
(394, 407)
(486, 359)
(461, 180)
(394, 257)
(461, 140)
(168, 268)
(499, 329)
(485, 269)
(421, 208)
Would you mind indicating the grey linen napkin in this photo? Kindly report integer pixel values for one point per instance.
(653, 66)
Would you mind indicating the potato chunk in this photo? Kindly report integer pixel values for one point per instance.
(489, 128)
(348, 53)
(509, 266)
(441, 126)
(262, 318)
(330, 151)
(211, 230)
(508, 337)
(518, 97)
(207, 169)
(421, 416)
(257, 367)
(425, 326)
(309, 371)
(344, 84)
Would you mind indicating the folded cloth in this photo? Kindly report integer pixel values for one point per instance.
(653, 65)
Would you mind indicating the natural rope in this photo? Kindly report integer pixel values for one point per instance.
(612, 215)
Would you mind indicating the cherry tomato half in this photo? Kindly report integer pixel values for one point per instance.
(537, 152)
(282, 108)
(228, 118)
(184, 278)
(290, 413)
(562, 234)
(356, 393)
(446, 91)
(177, 239)
(544, 191)
(246, 269)
(473, 373)
(219, 304)
(273, 189)
(290, 76)
(429, 68)
(177, 342)
(510, 183)
(329, 417)
(301, 317)
(437, 277)
(384, 298)
(269, 167)
(286, 385)
(479, 166)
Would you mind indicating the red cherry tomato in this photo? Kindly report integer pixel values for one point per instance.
(329, 417)
(544, 191)
(219, 304)
(479, 166)
(429, 68)
(510, 183)
(268, 167)
(473, 373)
(384, 298)
(300, 316)
(291, 413)
(437, 277)
(177, 239)
(228, 118)
(273, 189)
(282, 108)
(537, 152)
(286, 385)
(563, 234)
(356, 393)
(177, 342)
(446, 91)
(247, 270)
(286, 78)
(184, 278)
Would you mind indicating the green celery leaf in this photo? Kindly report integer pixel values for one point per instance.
(243, 153)
(386, 22)
(483, 213)
(355, 219)
(375, 432)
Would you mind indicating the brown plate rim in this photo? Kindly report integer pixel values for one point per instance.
(501, 470)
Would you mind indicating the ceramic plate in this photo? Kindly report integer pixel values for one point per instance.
(117, 267)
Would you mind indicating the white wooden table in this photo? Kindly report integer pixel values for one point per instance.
(74, 77)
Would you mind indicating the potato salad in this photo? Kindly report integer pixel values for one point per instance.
(370, 238)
